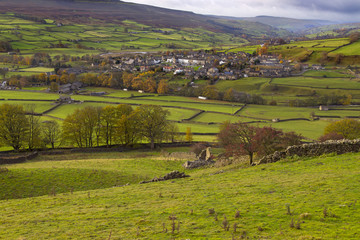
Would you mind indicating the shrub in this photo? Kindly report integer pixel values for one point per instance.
(240, 138)
(197, 148)
(331, 136)
(348, 128)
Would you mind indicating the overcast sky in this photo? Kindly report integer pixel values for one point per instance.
(334, 10)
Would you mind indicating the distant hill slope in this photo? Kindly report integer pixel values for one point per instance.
(289, 24)
(109, 11)
(336, 29)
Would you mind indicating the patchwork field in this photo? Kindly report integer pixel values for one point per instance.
(212, 113)
(78, 39)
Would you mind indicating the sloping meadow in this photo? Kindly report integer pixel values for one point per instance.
(310, 198)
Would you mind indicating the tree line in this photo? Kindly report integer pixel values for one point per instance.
(86, 127)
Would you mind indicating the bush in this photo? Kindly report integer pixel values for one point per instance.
(240, 139)
(197, 148)
(348, 128)
(331, 136)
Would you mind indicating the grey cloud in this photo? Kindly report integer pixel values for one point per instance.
(339, 6)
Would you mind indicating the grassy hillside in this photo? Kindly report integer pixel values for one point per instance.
(289, 24)
(313, 198)
(73, 38)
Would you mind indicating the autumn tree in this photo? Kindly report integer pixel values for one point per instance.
(73, 129)
(89, 78)
(51, 132)
(54, 87)
(127, 79)
(4, 71)
(163, 87)
(211, 92)
(5, 46)
(137, 84)
(348, 128)
(241, 138)
(354, 37)
(13, 125)
(111, 122)
(149, 85)
(238, 139)
(82, 127)
(268, 140)
(104, 79)
(152, 122)
(263, 49)
(129, 128)
(42, 77)
(189, 135)
(331, 136)
(33, 135)
(108, 121)
(54, 78)
(229, 95)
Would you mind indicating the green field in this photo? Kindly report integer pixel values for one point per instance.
(335, 83)
(271, 112)
(350, 50)
(216, 112)
(310, 130)
(319, 195)
(38, 107)
(328, 74)
(39, 69)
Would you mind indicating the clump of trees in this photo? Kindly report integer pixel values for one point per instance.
(332, 99)
(343, 129)
(86, 127)
(240, 139)
(5, 46)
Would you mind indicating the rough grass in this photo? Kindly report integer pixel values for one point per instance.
(50, 176)
(262, 201)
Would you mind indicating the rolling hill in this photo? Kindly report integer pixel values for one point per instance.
(289, 24)
(103, 12)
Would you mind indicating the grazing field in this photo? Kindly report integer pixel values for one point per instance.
(249, 85)
(36, 106)
(350, 50)
(312, 198)
(219, 118)
(39, 69)
(29, 95)
(271, 112)
(177, 114)
(181, 108)
(334, 83)
(328, 74)
(310, 130)
(66, 109)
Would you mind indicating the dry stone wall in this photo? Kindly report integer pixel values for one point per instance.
(314, 149)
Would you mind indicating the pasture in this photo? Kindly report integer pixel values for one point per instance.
(292, 199)
(182, 108)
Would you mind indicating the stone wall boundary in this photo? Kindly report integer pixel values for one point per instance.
(315, 150)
